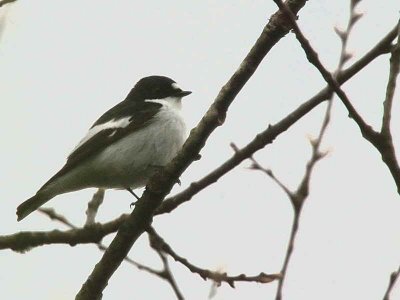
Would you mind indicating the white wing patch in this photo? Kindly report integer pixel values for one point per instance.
(120, 123)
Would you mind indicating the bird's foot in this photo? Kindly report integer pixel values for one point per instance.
(132, 193)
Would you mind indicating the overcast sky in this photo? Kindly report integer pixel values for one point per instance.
(63, 63)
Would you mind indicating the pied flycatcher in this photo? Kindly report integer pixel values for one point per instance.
(124, 146)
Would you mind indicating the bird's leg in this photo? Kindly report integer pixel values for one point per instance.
(133, 193)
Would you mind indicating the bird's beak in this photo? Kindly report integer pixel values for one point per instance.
(184, 93)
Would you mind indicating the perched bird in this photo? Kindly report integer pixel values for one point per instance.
(125, 146)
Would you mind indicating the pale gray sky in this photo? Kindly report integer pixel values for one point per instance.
(63, 63)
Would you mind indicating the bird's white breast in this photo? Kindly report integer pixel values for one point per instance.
(130, 161)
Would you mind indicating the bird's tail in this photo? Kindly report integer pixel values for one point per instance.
(30, 205)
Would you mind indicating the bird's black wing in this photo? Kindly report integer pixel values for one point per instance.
(139, 115)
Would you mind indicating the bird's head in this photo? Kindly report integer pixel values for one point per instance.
(156, 87)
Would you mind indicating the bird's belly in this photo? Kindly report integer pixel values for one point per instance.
(132, 160)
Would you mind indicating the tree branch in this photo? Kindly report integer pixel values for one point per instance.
(268, 136)
(382, 143)
(161, 183)
(299, 197)
(393, 278)
(93, 206)
(166, 273)
(262, 139)
(255, 165)
(158, 243)
(312, 57)
(51, 213)
(391, 86)
(24, 241)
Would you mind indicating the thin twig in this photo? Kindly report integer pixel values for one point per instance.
(159, 243)
(138, 265)
(255, 165)
(392, 280)
(53, 215)
(302, 192)
(312, 57)
(93, 207)
(169, 277)
(298, 198)
(391, 86)
(166, 273)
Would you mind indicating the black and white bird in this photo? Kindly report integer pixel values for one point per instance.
(124, 147)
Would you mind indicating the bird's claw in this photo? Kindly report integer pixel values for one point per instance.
(136, 196)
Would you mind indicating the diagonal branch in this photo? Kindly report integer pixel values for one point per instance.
(158, 243)
(166, 273)
(383, 143)
(392, 280)
(391, 86)
(161, 183)
(255, 165)
(273, 131)
(51, 213)
(312, 57)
